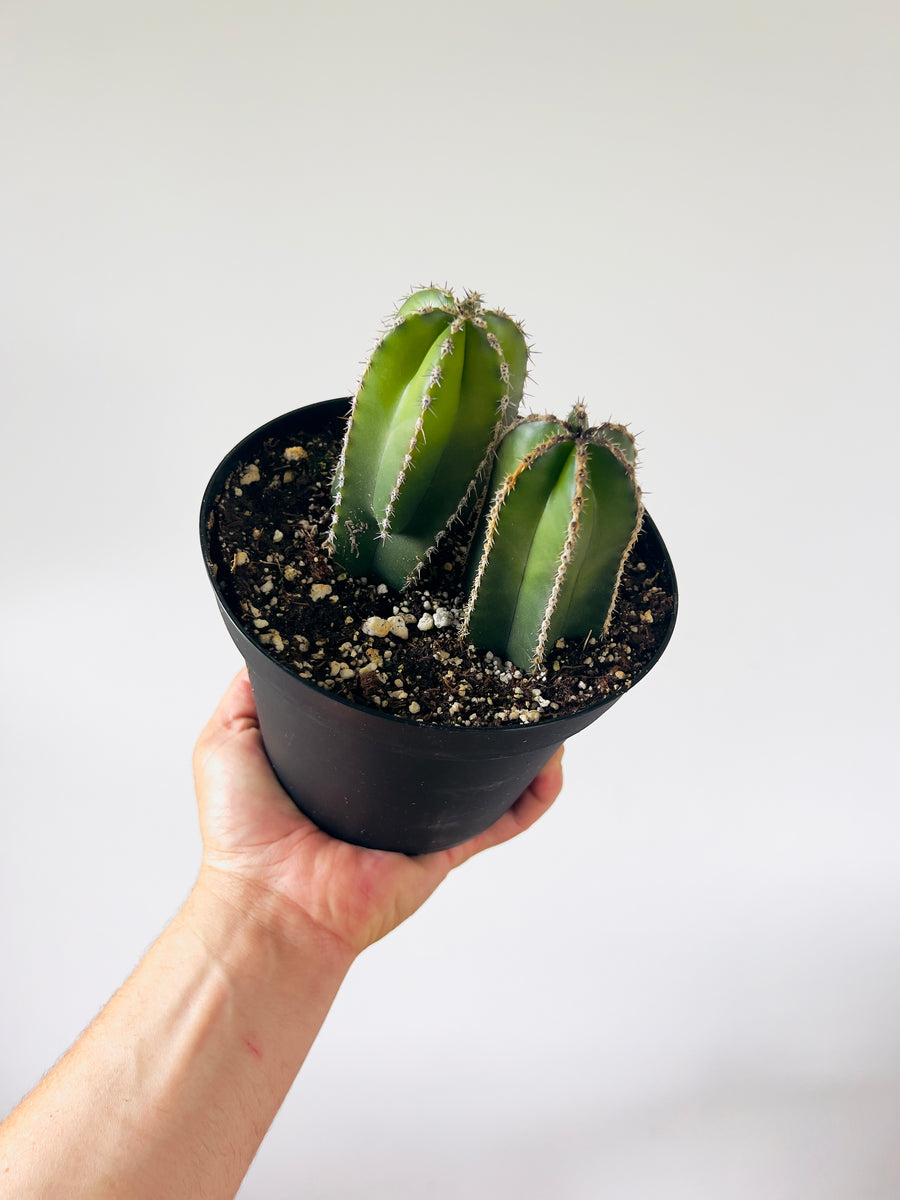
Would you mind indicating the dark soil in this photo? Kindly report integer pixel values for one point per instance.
(267, 537)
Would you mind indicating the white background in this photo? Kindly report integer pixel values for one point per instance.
(685, 982)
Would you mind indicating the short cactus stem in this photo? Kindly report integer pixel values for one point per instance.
(564, 510)
(440, 390)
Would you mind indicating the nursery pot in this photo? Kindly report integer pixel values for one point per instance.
(372, 778)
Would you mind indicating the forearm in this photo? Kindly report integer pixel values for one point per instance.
(172, 1088)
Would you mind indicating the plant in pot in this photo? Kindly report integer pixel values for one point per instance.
(432, 592)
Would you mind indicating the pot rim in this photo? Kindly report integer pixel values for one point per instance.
(329, 409)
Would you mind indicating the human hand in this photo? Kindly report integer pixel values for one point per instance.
(259, 849)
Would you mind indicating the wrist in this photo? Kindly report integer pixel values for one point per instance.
(247, 927)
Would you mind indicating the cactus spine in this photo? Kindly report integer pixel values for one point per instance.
(439, 392)
(563, 514)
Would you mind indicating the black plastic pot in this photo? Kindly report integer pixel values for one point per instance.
(375, 779)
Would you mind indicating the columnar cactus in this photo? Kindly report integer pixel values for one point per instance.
(440, 390)
(563, 512)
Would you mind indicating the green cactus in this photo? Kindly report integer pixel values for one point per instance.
(439, 392)
(563, 514)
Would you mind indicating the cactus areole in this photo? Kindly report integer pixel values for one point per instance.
(440, 390)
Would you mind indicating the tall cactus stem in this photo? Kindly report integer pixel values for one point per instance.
(440, 390)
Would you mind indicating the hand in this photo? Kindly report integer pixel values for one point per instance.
(262, 850)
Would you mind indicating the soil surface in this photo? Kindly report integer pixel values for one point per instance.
(400, 652)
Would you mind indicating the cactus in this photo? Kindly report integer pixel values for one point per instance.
(563, 515)
(440, 390)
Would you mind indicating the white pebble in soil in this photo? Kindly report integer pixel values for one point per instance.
(382, 626)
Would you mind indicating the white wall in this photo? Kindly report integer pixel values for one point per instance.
(686, 981)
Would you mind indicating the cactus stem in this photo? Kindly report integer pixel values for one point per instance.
(493, 519)
(566, 556)
(394, 404)
(408, 463)
(554, 586)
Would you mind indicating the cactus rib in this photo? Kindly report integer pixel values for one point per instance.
(439, 391)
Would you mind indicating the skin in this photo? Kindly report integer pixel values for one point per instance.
(169, 1092)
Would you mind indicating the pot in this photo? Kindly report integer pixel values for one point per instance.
(372, 778)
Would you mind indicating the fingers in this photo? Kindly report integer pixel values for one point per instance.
(237, 706)
(531, 805)
(235, 712)
(229, 751)
(533, 802)
(237, 789)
